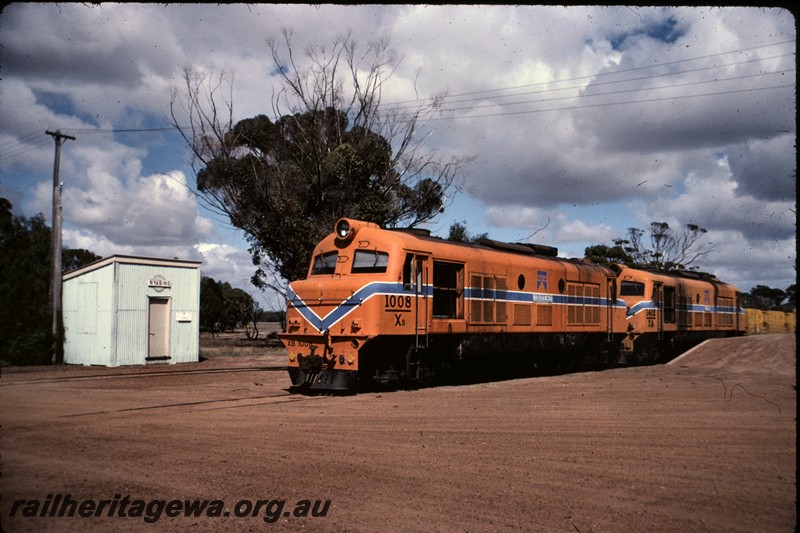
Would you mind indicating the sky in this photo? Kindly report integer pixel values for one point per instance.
(576, 122)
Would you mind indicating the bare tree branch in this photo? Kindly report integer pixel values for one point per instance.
(331, 149)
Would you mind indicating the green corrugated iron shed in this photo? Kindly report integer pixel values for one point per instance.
(128, 310)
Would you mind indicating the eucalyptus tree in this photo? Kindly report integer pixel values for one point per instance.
(663, 248)
(329, 148)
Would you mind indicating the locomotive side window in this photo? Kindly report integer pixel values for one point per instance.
(482, 303)
(415, 275)
(412, 272)
(488, 299)
(408, 272)
(476, 306)
(501, 316)
(324, 263)
(370, 261)
(544, 315)
(684, 313)
(631, 288)
(448, 281)
(584, 307)
(725, 318)
(488, 303)
(522, 314)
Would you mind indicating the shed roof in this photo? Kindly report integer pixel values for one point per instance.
(131, 260)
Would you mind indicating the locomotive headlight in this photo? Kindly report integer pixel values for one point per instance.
(343, 229)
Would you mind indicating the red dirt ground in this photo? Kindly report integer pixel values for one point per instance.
(707, 443)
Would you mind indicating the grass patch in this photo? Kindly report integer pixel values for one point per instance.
(236, 344)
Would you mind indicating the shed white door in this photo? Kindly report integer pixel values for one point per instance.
(158, 329)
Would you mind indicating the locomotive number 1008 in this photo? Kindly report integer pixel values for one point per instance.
(393, 302)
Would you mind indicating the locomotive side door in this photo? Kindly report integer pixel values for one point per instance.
(416, 279)
(611, 302)
(658, 300)
(738, 303)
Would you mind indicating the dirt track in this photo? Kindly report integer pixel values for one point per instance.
(704, 444)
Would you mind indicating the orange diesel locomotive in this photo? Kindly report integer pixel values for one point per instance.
(401, 305)
(389, 305)
(668, 313)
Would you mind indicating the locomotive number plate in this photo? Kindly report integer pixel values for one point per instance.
(397, 305)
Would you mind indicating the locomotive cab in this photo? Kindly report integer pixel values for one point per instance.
(360, 283)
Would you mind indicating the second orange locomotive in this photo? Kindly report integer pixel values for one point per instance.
(391, 305)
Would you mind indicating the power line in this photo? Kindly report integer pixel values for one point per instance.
(609, 104)
(34, 135)
(21, 149)
(106, 131)
(600, 74)
(618, 92)
(30, 141)
(126, 130)
(443, 106)
(15, 148)
(641, 78)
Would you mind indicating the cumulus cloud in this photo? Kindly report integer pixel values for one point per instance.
(549, 226)
(765, 168)
(144, 210)
(225, 262)
(713, 199)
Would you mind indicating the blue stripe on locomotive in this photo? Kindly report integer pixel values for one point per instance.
(692, 308)
(344, 309)
(379, 288)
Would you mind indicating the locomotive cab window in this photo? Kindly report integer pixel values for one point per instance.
(370, 261)
(631, 288)
(324, 263)
(412, 272)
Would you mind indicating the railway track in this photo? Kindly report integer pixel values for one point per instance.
(209, 404)
(216, 404)
(141, 374)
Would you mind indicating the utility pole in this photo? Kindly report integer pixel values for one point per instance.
(55, 253)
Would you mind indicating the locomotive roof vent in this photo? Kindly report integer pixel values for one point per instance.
(419, 232)
(542, 249)
(520, 248)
